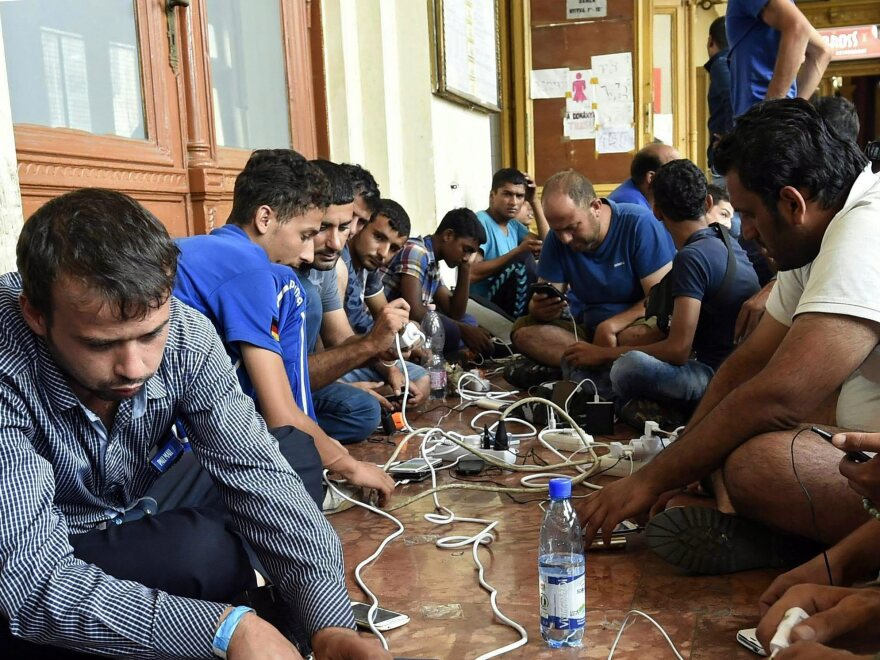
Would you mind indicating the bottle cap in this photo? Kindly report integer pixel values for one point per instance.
(560, 489)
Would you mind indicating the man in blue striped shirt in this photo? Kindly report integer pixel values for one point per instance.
(97, 361)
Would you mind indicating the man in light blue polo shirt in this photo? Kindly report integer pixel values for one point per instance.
(609, 255)
(774, 52)
(505, 264)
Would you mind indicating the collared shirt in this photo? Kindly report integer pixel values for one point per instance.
(628, 193)
(59, 475)
(416, 259)
(362, 284)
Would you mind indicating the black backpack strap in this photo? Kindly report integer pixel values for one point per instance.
(730, 273)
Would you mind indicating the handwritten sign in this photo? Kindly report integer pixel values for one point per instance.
(549, 83)
(613, 75)
(615, 140)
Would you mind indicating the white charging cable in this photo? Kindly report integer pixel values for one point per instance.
(649, 618)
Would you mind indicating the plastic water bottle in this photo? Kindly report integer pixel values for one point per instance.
(435, 338)
(561, 570)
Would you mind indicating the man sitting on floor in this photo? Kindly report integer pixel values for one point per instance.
(637, 189)
(240, 277)
(710, 278)
(608, 254)
(360, 280)
(98, 362)
(809, 197)
(348, 411)
(414, 276)
(505, 266)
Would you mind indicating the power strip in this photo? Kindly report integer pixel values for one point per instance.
(449, 451)
(622, 467)
(566, 440)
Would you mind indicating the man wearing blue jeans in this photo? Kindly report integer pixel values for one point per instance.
(711, 277)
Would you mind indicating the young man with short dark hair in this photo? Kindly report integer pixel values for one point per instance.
(414, 276)
(361, 288)
(99, 361)
(505, 266)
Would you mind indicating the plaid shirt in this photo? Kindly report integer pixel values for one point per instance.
(60, 473)
(416, 259)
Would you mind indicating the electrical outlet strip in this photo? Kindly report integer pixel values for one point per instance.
(501, 454)
(623, 467)
(449, 451)
(566, 441)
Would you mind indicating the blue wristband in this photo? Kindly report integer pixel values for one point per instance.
(224, 633)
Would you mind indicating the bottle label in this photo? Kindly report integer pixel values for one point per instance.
(438, 379)
(563, 601)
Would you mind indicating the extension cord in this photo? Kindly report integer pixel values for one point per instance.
(449, 451)
(566, 441)
(613, 467)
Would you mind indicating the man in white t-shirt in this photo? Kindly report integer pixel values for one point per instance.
(810, 199)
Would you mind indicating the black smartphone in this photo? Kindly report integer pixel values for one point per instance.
(546, 289)
(854, 456)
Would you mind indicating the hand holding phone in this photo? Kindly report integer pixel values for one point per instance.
(854, 456)
(546, 289)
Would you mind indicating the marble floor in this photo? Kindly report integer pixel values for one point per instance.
(450, 613)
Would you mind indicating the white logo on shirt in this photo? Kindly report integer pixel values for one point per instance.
(619, 264)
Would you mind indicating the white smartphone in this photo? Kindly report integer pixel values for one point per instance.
(414, 469)
(383, 620)
(618, 536)
(747, 638)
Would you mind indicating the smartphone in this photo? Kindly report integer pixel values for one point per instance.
(854, 456)
(546, 289)
(618, 536)
(747, 638)
(383, 619)
(415, 469)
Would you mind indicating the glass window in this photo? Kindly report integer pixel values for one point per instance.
(74, 64)
(246, 50)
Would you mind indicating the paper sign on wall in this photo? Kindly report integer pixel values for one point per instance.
(579, 122)
(615, 140)
(549, 83)
(613, 78)
(581, 9)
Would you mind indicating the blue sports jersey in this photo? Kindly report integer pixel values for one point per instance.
(608, 281)
(230, 280)
(497, 244)
(754, 46)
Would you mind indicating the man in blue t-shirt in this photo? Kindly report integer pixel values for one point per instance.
(505, 266)
(609, 255)
(774, 52)
(239, 276)
(637, 189)
(707, 291)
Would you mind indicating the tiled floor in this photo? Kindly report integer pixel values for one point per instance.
(450, 613)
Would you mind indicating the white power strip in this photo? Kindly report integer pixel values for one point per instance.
(449, 451)
(566, 439)
(622, 467)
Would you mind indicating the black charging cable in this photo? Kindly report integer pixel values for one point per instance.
(812, 507)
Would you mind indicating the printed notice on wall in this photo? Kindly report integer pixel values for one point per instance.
(581, 9)
(615, 140)
(549, 83)
(579, 122)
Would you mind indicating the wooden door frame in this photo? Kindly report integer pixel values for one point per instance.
(54, 160)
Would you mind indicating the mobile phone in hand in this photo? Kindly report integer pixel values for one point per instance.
(546, 289)
(854, 456)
